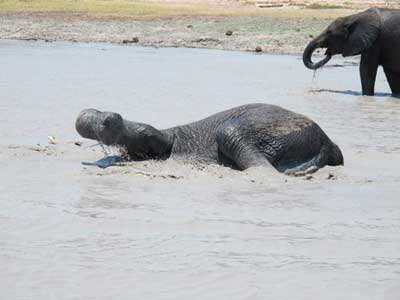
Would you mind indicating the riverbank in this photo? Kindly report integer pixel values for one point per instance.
(217, 25)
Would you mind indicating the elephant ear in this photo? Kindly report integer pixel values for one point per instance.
(363, 30)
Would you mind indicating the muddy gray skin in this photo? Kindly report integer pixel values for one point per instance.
(374, 34)
(242, 137)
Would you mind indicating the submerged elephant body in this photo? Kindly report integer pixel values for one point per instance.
(242, 137)
(374, 34)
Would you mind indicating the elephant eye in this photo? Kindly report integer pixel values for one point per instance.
(107, 123)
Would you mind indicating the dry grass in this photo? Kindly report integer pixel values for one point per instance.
(138, 9)
(323, 6)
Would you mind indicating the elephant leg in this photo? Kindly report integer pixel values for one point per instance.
(310, 166)
(368, 69)
(394, 81)
(235, 146)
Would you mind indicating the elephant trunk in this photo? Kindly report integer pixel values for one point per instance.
(105, 127)
(88, 122)
(308, 52)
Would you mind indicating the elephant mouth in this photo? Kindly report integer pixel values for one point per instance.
(316, 48)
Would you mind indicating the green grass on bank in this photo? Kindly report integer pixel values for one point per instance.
(95, 7)
(135, 8)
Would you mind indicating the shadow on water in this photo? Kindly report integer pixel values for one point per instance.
(353, 93)
(342, 65)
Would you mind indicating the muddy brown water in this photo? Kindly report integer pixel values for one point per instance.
(174, 230)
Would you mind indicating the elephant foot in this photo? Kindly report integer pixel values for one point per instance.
(308, 171)
(396, 95)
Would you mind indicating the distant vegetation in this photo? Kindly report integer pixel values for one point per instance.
(141, 9)
(100, 7)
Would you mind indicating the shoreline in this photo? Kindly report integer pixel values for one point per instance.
(275, 31)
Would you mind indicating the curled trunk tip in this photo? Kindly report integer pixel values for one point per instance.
(308, 52)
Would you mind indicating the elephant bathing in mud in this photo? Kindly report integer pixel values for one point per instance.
(375, 34)
(242, 137)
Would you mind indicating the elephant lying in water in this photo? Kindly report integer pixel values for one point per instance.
(242, 137)
(374, 34)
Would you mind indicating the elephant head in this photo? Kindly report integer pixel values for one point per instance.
(141, 140)
(105, 127)
(348, 36)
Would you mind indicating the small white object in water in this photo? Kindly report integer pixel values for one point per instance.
(52, 140)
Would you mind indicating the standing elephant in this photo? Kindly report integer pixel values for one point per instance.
(242, 137)
(375, 34)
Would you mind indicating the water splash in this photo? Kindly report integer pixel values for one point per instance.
(314, 75)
